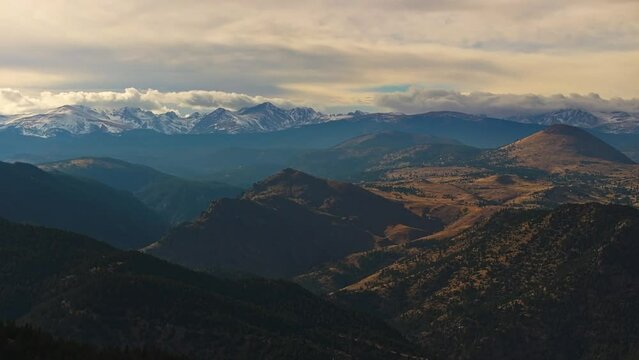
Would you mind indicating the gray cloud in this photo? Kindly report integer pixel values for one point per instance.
(417, 100)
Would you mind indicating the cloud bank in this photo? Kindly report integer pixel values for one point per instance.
(411, 101)
(417, 100)
(13, 101)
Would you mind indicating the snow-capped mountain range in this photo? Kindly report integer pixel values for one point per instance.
(79, 120)
(613, 122)
(266, 117)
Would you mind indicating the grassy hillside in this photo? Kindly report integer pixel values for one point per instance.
(556, 284)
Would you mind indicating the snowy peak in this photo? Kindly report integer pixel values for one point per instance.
(217, 121)
(73, 119)
(136, 118)
(573, 117)
(614, 121)
(260, 118)
(264, 108)
(80, 119)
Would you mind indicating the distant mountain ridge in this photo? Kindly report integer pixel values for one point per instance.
(31, 195)
(266, 117)
(613, 121)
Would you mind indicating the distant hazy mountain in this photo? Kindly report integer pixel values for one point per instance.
(353, 158)
(81, 120)
(76, 288)
(614, 121)
(31, 195)
(266, 117)
(287, 224)
(174, 198)
(247, 157)
(560, 284)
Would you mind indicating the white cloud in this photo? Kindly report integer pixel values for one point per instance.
(13, 101)
(416, 100)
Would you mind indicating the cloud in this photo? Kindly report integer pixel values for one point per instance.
(417, 100)
(13, 101)
(412, 100)
(323, 52)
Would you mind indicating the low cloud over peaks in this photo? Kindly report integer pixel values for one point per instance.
(13, 101)
(416, 100)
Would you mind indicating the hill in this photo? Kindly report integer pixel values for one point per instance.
(391, 140)
(552, 284)
(34, 196)
(288, 223)
(176, 199)
(352, 158)
(82, 290)
(560, 146)
(429, 155)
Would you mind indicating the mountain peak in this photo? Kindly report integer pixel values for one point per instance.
(559, 146)
(285, 179)
(266, 106)
(73, 109)
(574, 117)
(220, 111)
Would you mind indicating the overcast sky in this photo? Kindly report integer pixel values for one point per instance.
(400, 55)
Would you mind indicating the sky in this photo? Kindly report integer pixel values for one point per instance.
(484, 56)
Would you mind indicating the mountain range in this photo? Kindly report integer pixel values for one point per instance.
(265, 117)
(81, 120)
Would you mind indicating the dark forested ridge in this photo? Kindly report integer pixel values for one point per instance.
(175, 198)
(27, 343)
(76, 288)
(30, 195)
